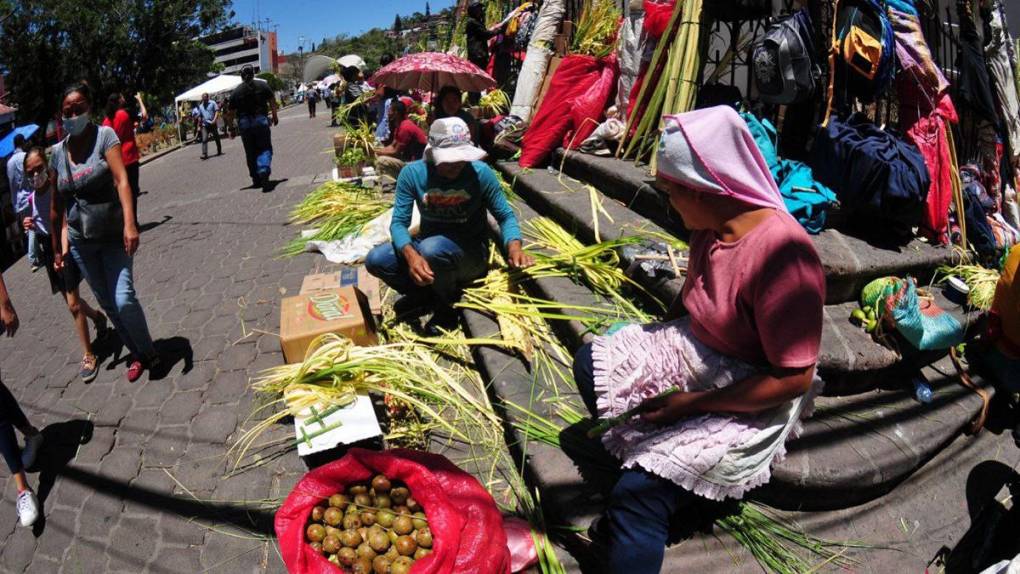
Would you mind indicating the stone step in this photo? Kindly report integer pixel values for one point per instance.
(850, 261)
(849, 360)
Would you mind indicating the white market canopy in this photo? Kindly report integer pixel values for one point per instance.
(213, 86)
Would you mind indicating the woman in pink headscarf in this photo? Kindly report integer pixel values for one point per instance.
(743, 358)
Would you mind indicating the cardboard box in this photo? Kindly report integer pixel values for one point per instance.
(320, 428)
(343, 311)
(348, 276)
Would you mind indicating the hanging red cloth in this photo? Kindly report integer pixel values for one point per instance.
(927, 130)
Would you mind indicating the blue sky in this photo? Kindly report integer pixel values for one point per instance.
(315, 19)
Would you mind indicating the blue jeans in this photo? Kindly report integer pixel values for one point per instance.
(33, 249)
(258, 145)
(640, 504)
(107, 269)
(453, 263)
(10, 416)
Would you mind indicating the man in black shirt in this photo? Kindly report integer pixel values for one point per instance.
(252, 101)
(478, 35)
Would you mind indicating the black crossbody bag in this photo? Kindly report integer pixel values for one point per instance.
(96, 217)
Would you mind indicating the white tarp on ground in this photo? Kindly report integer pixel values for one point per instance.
(536, 62)
(354, 248)
(214, 86)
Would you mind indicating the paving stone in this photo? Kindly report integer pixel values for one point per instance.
(179, 531)
(95, 397)
(225, 554)
(214, 424)
(99, 514)
(138, 425)
(84, 556)
(173, 559)
(122, 464)
(43, 565)
(226, 387)
(19, 550)
(198, 378)
(114, 410)
(134, 543)
(237, 357)
(58, 534)
(162, 451)
(99, 444)
(181, 408)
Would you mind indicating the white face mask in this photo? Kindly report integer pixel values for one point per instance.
(40, 179)
(74, 126)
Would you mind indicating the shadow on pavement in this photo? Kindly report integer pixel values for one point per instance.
(271, 185)
(172, 351)
(60, 443)
(153, 224)
(994, 520)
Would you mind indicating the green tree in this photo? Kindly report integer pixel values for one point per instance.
(397, 26)
(115, 45)
(275, 83)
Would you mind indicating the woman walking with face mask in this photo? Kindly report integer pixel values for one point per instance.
(94, 194)
(67, 280)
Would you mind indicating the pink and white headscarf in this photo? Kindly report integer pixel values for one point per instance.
(712, 151)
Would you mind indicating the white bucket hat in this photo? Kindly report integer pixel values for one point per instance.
(450, 142)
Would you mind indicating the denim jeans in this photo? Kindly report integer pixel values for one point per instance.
(210, 131)
(107, 269)
(640, 504)
(10, 416)
(454, 263)
(258, 145)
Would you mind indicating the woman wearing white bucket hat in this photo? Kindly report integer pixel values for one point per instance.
(453, 189)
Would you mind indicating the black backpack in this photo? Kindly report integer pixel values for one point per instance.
(785, 70)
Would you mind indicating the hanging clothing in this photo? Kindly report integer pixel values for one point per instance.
(915, 60)
(997, 44)
(974, 85)
(630, 51)
(927, 131)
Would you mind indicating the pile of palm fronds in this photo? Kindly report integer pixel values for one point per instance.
(343, 111)
(670, 83)
(596, 31)
(337, 209)
(360, 136)
(494, 102)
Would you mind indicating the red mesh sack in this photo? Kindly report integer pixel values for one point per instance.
(657, 15)
(578, 94)
(466, 525)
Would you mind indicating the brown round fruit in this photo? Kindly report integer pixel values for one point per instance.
(333, 531)
(368, 518)
(419, 521)
(392, 553)
(362, 566)
(352, 522)
(339, 501)
(424, 538)
(363, 500)
(333, 516)
(331, 545)
(358, 489)
(317, 513)
(365, 551)
(381, 565)
(421, 553)
(403, 525)
(401, 509)
(347, 556)
(399, 495)
(393, 536)
(383, 501)
(401, 565)
(406, 545)
(381, 484)
(379, 541)
(385, 518)
(315, 533)
(351, 538)
(316, 546)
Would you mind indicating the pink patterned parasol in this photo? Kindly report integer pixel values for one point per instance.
(430, 71)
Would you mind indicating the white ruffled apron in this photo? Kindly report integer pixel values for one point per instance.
(715, 456)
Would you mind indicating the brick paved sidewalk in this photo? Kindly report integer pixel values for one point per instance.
(207, 264)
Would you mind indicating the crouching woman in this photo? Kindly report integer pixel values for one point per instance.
(743, 359)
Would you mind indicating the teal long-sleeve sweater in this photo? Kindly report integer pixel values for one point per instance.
(452, 208)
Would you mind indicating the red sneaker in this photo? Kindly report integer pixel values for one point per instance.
(135, 370)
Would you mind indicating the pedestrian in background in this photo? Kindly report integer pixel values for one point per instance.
(313, 96)
(94, 194)
(11, 417)
(67, 280)
(123, 123)
(209, 113)
(21, 195)
(253, 101)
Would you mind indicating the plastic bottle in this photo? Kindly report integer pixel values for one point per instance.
(922, 391)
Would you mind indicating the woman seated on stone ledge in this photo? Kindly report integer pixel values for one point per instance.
(743, 359)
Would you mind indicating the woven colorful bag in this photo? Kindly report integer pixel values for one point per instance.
(921, 322)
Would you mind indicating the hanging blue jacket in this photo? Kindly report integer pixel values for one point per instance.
(807, 200)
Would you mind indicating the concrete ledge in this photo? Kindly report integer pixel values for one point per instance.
(850, 262)
(854, 449)
(153, 157)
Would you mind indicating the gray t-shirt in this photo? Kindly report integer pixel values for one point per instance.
(93, 179)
